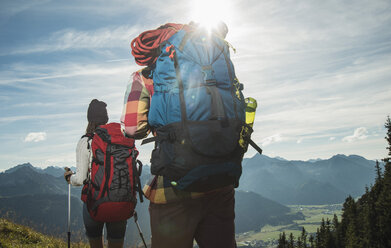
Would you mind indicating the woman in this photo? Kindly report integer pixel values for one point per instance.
(96, 115)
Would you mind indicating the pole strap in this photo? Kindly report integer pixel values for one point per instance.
(256, 147)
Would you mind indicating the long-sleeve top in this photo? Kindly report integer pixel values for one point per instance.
(134, 118)
(134, 122)
(83, 162)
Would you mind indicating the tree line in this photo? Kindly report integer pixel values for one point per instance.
(364, 223)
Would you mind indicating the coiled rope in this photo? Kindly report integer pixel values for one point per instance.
(145, 47)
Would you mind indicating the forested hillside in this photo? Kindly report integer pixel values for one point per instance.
(364, 223)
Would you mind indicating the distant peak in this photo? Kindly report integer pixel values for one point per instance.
(25, 165)
(351, 156)
(20, 166)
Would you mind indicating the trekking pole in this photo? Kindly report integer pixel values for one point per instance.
(69, 211)
(69, 215)
(139, 229)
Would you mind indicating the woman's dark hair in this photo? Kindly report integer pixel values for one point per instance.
(92, 126)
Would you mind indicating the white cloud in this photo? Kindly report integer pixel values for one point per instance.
(12, 8)
(68, 39)
(271, 139)
(30, 74)
(332, 138)
(35, 137)
(9, 119)
(359, 134)
(300, 140)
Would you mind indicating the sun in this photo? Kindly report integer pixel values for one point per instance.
(209, 13)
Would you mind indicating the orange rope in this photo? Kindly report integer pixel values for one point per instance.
(145, 46)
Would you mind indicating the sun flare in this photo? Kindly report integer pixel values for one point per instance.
(209, 13)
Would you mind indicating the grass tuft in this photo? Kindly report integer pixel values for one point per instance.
(18, 236)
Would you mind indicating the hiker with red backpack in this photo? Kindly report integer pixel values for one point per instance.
(190, 99)
(107, 167)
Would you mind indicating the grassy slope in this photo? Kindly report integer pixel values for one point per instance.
(313, 217)
(13, 235)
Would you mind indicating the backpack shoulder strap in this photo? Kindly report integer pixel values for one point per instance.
(89, 136)
(137, 170)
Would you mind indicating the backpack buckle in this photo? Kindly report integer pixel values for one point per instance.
(209, 75)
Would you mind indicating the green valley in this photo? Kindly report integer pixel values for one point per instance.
(269, 234)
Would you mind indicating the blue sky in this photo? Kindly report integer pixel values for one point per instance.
(320, 70)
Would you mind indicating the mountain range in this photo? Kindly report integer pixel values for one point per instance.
(311, 182)
(51, 170)
(37, 197)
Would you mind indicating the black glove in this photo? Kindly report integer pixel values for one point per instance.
(67, 174)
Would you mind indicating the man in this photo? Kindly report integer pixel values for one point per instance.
(178, 217)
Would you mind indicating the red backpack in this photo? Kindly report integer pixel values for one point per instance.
(110, 189)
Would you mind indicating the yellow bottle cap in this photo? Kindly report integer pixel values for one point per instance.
(251, 103)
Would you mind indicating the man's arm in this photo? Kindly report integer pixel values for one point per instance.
(134, 118)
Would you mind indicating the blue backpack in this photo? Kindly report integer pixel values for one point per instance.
(197, 111)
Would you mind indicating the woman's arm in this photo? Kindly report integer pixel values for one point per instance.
(82, 162)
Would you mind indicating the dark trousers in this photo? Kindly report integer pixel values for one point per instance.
(115, 230)
(209, 220)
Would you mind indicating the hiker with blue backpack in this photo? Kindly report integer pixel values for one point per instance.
(188, 97)
(107, 168)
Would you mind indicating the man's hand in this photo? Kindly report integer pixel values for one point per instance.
(67, 174)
